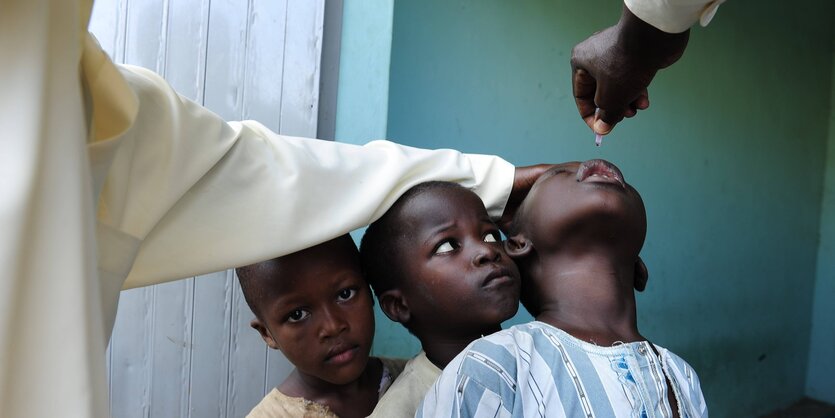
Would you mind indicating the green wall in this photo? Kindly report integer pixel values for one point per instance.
(730, 161)
(820, 383)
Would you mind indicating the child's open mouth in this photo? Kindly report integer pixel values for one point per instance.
(600, 171)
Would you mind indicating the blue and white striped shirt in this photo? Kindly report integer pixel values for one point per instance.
(536, 370)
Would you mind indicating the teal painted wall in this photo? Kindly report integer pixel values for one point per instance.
(729, 158)
(820, 380)
(365, 56)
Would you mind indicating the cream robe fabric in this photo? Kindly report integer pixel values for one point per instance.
(674, 16)
(110, 179)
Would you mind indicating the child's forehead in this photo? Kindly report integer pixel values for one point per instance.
(332, 257)
(341, 249)
(319, 263)
(336, 256)
(437, 205)
(301, 275)
(452, 196)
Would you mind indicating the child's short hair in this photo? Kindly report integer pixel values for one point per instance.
(254, 284)
(380, 252)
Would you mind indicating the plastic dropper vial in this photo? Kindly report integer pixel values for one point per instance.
(598, 138)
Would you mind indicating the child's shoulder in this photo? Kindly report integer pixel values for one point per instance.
(515, 351)
(504, 352)
(517, 338)
(277, 404)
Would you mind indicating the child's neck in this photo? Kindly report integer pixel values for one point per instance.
(591, 297)
(441, 349)
(354, 399)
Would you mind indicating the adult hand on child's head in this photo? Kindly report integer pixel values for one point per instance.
(523, 180)
(612, 69)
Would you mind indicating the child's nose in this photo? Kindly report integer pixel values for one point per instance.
(486, 253)
(333, 323)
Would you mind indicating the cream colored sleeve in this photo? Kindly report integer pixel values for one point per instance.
(204, 195)
(674, 16)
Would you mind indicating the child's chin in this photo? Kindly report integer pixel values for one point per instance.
(348, 373)
(508, 307)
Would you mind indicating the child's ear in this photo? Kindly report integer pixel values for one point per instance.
(641, 275)
(257, 325)
(518, 246)
(394, 305)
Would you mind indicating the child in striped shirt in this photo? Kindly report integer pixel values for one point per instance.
(576, 239)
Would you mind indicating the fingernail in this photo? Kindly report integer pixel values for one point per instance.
(601, 127)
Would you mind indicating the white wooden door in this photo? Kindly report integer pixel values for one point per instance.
(185, 349)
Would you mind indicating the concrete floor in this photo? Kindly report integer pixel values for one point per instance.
(805, 408)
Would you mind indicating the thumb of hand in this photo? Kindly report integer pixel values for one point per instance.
(600, 126)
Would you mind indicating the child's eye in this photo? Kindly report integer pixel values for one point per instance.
(346, 294)
(491, 237)
(445, 247)
(297, 315)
